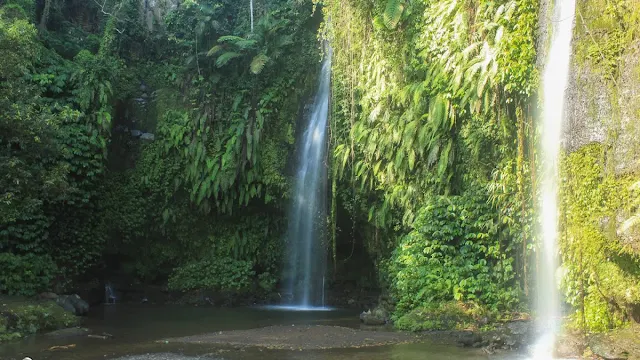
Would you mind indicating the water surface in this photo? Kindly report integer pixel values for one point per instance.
(136, 329)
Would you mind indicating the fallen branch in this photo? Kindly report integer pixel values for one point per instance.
(65, 347)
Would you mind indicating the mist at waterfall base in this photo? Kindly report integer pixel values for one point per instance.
(555, 80)
(306, 237)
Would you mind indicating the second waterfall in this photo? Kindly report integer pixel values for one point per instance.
(306, 262)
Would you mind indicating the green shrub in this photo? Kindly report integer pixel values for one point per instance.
(267, 281)
(454, 253)
(25, 275)
(224, 274)
(13, 12)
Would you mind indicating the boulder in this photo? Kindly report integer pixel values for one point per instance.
(376, 317)
(147, 136)
(73, 304)
(569, 346)
(617, 344)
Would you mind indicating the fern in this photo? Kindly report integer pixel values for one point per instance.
(393, 13)
(258, 63)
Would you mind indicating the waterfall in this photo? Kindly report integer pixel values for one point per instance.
(307, 221)
(555, 79)
(109, 294)
(251, 11)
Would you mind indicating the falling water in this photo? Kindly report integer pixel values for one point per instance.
(555, 80)
(251, 11)
(307, 220)
(109, 294)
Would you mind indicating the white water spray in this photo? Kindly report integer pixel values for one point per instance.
(555, 79)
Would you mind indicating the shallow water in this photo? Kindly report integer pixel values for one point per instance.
(136, 329)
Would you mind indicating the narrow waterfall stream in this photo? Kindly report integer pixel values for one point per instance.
(307, 220)
(251, 11)
(555, 79)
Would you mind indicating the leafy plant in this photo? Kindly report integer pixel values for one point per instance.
(25, 275)
(263, 46)
(453, 253)
(223, 274)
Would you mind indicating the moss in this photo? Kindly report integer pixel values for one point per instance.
(444, 316)
(20, 317)
(604, 31)
(600, 272)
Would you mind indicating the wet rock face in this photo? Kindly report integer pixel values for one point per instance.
(569, 346)
(153, 11)
(510, 336)
(617, 345)
(606, 349)
(594, 114)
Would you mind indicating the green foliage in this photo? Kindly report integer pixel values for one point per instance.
(634, 220)
(267, 42)
(54, 125)
(453, 253)
(409, 105)
(17, 44)
(267, 281)
(223, 274)
(600, 271)
(423, 121)
(27, 8)
(25, 275)
(393, 13)
(12, 12)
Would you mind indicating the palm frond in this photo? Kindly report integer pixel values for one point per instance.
(245, 44)
(214, 50)
(258, 63)
(226, 57)
(393, 13)
(230, 38)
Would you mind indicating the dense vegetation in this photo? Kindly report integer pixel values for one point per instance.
(85, 92)
(435, 139)
(157, 142)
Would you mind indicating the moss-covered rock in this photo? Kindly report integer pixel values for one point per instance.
(444, 316)
(617, 344)
(21, 317)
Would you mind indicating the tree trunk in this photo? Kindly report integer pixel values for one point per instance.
(45, 14)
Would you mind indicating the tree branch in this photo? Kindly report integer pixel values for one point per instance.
(113, 14)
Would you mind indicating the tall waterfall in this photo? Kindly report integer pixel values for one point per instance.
(251, 11)
(555, 79)
(307, 221)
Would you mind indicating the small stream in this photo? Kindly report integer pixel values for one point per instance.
(136, 330)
